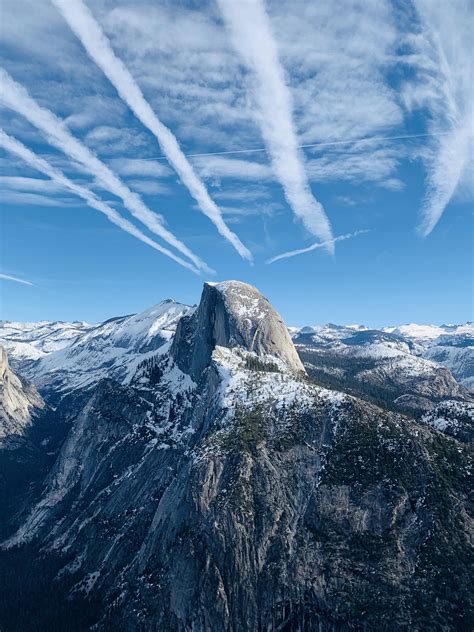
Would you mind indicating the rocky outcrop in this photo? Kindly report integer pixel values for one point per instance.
(18, 402)
(232, 314)
(312, 513)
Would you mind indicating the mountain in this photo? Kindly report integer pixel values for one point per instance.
(385, 367)
(19, 401)
(28, 342)
(111, 349)
(221, 488)
(23, 464)
(232, 314)
(451, 346)
(455, 352)
(453, 418)
(58, 357)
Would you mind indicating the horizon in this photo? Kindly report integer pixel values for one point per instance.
(150, 153)
(289, 324)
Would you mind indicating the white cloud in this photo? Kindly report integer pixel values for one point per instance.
(342, 67)
(23, 198)
(235, 168)
(139, 167)
(338, 79)
(150, 187)
(21, 183)
(115, 140)
(252, 38)
(17, 98)
(247, 193)
(355, 164)
(444, 88)
(16, 147)
(83, 23)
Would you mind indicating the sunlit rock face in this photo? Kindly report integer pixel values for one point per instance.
(232, 314)
(18, 401)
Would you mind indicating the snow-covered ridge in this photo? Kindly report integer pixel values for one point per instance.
(275, 385)
(453, 418)
(32, 341)
(111, 349)
(419, 348)
(427, 333)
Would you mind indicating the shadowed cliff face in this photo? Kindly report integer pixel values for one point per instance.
(232, 314)
(222, 492)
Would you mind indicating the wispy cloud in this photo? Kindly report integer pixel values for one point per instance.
(140, 167)
(252, 37)
(90, 33)
(302, 251)
(22, 183)
(14, 146)
(443, 60)
(9, 277)
(232, 168)
(17, 98)
(23, 198)
(193, 79)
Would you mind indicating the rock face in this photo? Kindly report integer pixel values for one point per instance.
(221, 489)
(232, 314)
(18, 401)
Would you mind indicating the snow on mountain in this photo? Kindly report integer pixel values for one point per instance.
(455, 351)
(421, 346)
(60, 356)
(112, 349)
(232, 314)
(426, 333)
(27, 342)
(455, 419)
(451, 346)
(385, 367)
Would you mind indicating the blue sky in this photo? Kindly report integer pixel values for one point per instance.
(271, 77)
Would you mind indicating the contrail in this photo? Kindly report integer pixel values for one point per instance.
(444, 175)
(8, 277)
(14, 146)
(250, 29)
(352, 141)
(445, 44)
(17, 98)
(322, 244)
(98, 47)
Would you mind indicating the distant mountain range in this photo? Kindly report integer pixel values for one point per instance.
(59, 356)
(207, 468)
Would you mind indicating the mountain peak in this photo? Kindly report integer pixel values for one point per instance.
(232, 314)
